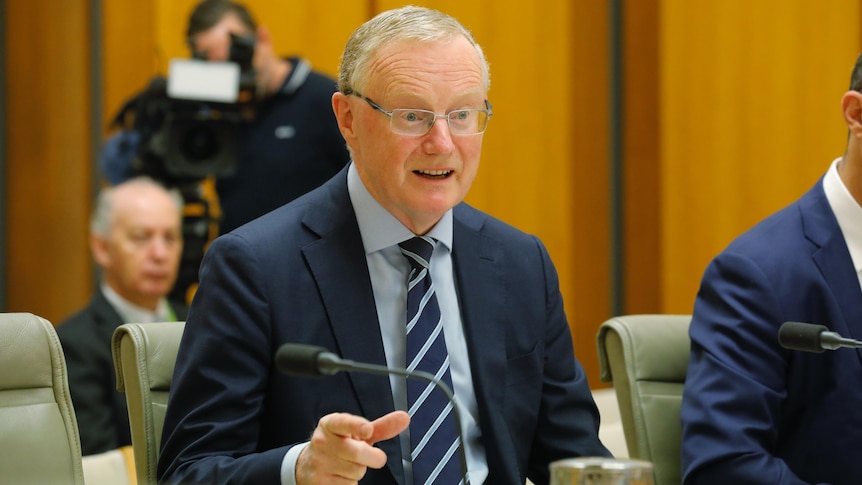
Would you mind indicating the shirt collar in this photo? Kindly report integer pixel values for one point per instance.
(380, 229)
(848, 212)
(131, 313)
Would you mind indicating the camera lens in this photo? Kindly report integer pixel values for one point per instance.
(200, 143)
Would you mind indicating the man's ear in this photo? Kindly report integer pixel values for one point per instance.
(851, 106)
(263, 35)
(99, 248)
(344, 115)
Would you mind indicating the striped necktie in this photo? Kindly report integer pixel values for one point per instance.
(434, 440)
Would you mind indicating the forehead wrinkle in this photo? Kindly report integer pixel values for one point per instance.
(406, 72)
(413, 86)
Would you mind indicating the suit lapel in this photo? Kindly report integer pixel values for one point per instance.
(482, 288)
(833, 259)
(337, 264)
(106, 317)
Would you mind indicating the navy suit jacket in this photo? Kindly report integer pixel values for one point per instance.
(103, 419)
(752, 411)
(299, 274)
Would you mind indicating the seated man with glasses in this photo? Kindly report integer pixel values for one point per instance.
(384, 264)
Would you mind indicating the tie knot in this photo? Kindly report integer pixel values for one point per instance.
(418, 250)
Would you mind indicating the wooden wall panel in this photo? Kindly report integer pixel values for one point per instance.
(641, 174)
(750, 119)
(129, 53)
(587, 78)
(48, 155)
(312, 29)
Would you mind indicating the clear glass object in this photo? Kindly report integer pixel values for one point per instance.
(601, 471)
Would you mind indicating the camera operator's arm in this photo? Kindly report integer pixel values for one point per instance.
(117, 156)
(135, 122)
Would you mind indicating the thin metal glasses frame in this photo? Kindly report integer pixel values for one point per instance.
(434, 116)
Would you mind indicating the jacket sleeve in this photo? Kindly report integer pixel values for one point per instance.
(568, 420)
(736, 380)
(213, 425)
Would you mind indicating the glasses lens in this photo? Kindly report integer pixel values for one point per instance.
(468, 121)
(418, 122)
(413, 122)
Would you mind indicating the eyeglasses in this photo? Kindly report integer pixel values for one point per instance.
(418, 122)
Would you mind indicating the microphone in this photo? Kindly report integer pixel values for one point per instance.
(809, 337)
(313, 361)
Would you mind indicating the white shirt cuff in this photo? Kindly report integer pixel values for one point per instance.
(288, 465)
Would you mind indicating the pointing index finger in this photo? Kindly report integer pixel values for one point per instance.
(346, 426)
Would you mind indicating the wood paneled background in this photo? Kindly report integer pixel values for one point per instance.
(726, 112)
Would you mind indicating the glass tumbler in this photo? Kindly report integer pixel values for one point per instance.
(601, 471)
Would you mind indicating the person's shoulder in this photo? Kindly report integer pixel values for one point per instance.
(180, 308)
(321, 79)
(78, 327)
(290, 222)
(305, 68)
(490, 226)
(779, 230)
(305, 78)
(779, 246)
(319, 86)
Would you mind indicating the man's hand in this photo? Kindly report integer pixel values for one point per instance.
(342, 447)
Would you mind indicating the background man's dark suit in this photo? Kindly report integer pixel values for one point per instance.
(103, 420)
(754, 412)
(299, 274)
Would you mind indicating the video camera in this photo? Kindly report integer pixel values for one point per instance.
(186, 125)
(181, 130)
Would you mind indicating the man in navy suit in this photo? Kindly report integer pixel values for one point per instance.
(754, 412)
(326, 270)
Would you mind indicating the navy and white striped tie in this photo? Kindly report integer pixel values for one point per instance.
(434, 440)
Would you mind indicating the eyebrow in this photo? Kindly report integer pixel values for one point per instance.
(414, 102)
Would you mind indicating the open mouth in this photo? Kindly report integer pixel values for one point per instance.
(434, 174)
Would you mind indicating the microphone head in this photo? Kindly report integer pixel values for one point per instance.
(299, 360)
(801, 336)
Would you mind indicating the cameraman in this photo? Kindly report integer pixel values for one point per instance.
(292, 144)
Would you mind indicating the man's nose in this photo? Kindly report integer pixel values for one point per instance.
(160, 247)
(439, 137)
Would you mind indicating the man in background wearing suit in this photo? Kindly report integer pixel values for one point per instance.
(327, 270)
(136, 239)
(754, 412)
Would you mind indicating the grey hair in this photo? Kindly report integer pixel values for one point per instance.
(102, 218)
(408, 23)
(856, 75)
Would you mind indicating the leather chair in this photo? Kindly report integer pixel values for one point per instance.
(646, 356)
(144, 356)
(38, 429)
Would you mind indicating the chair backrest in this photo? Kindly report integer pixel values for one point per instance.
(144, 356)
(38, 429)
(646, 358)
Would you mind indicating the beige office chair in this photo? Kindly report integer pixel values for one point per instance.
(144, 356)
(39, 441)
(646, 358)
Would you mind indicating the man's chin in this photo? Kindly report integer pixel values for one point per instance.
(156, 291)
